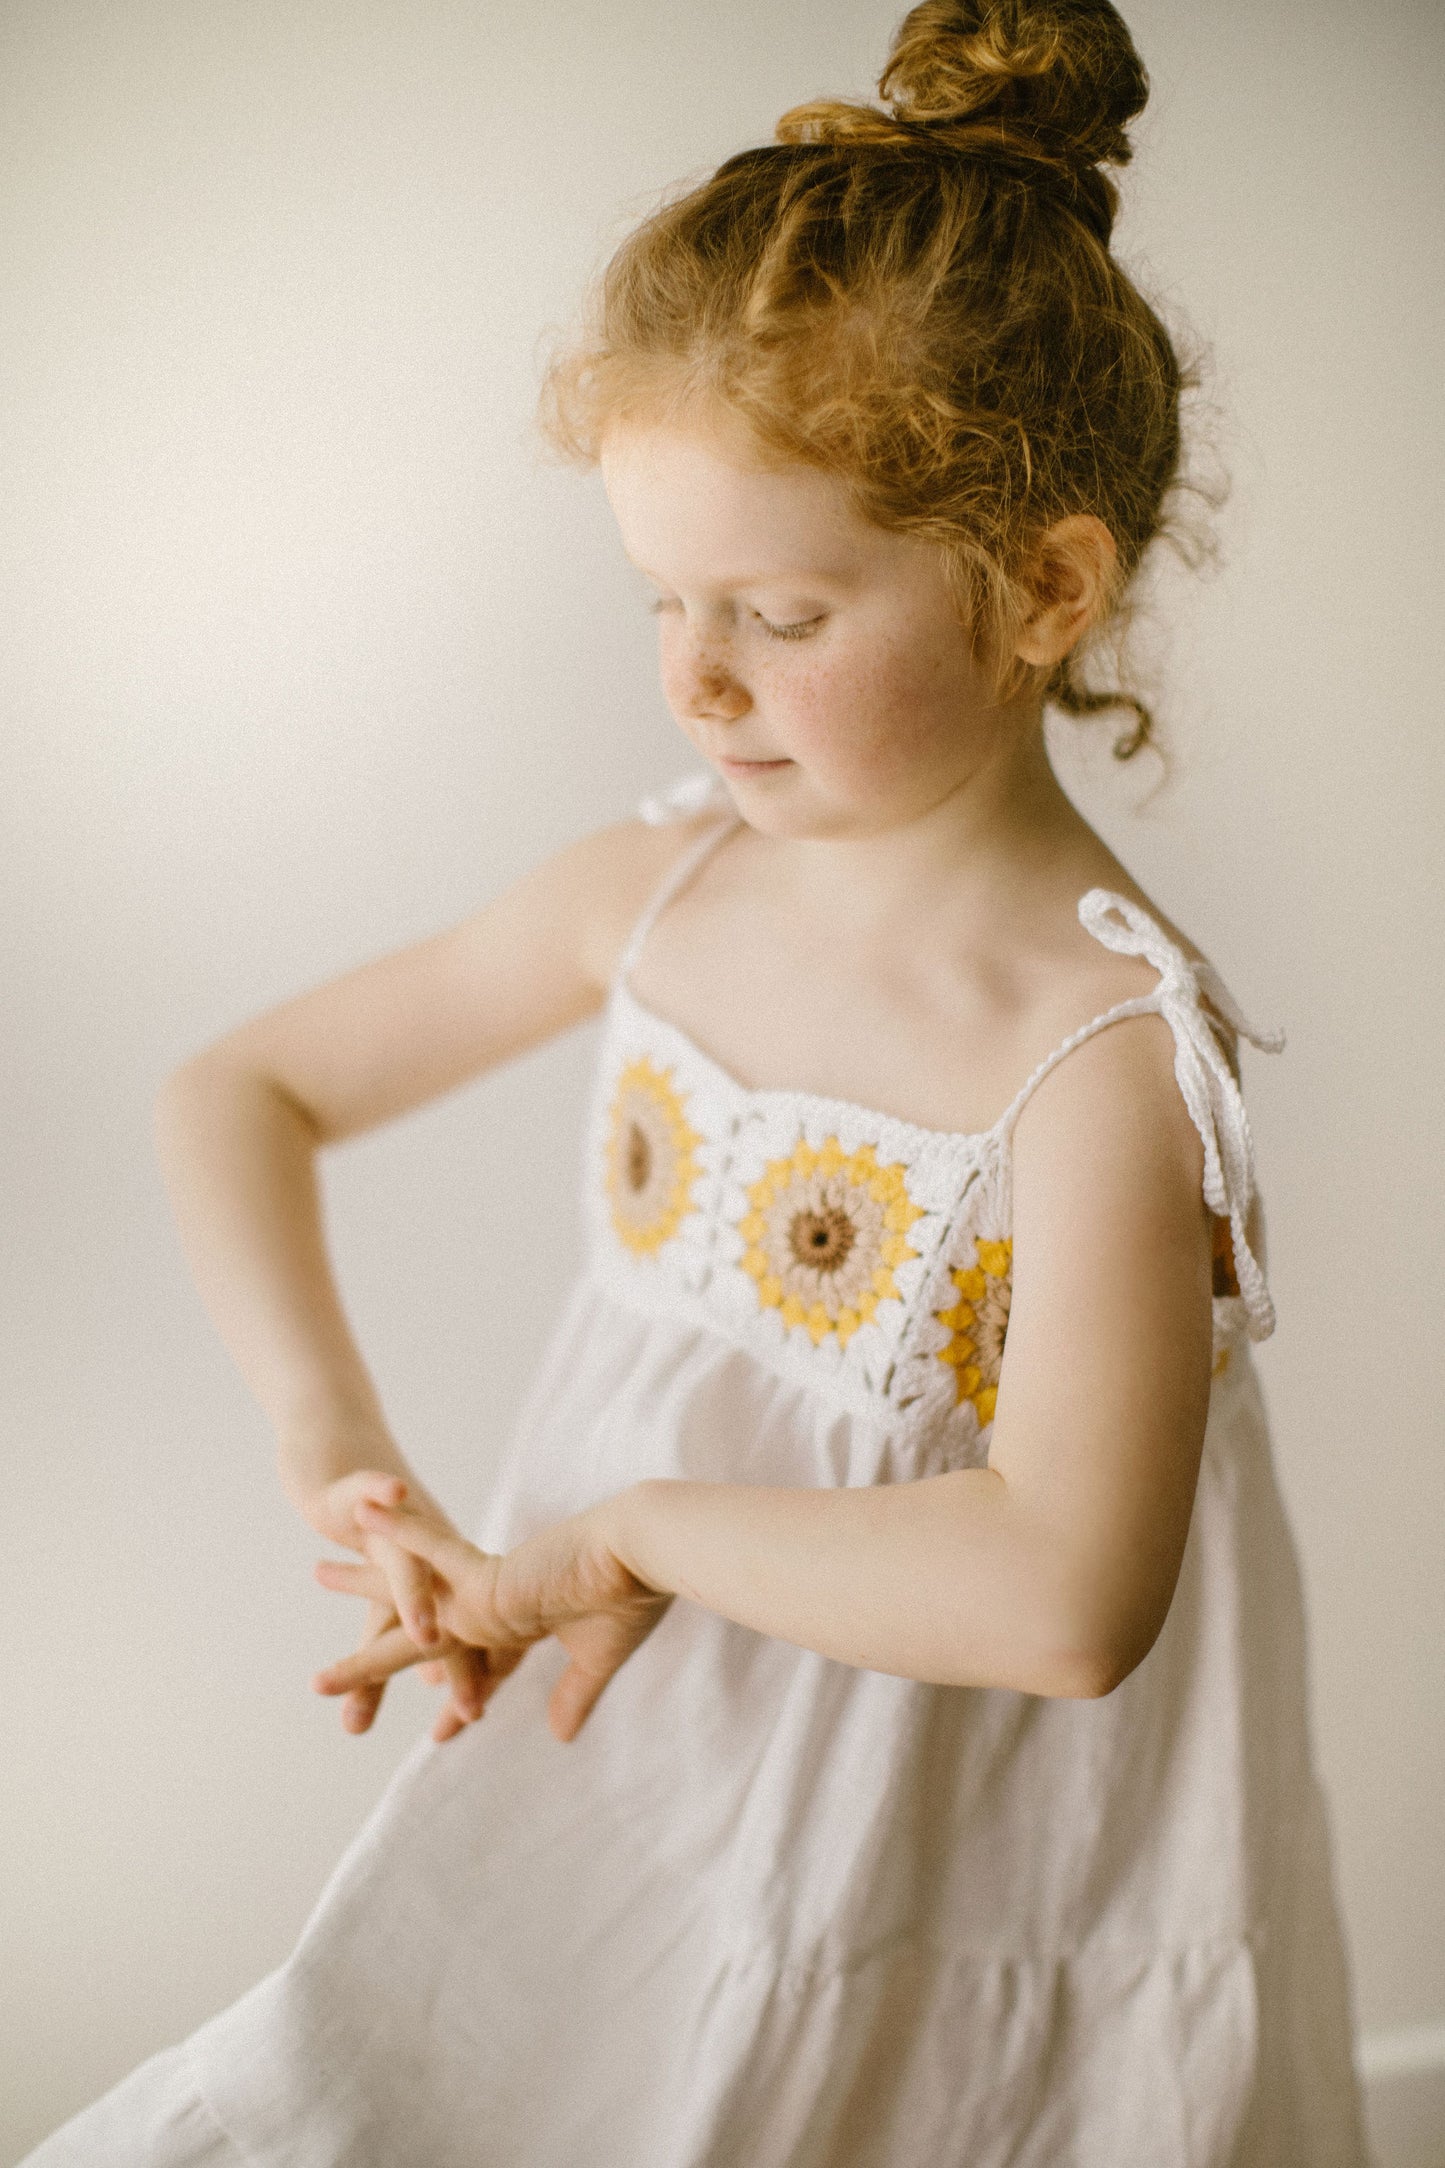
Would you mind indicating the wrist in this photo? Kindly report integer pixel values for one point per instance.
(314, 1452)
(637, 1528)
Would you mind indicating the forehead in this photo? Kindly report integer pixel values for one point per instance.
(698, 506)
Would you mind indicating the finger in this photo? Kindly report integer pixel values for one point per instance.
(347, 1491)
(471, 1681)
(349, 1579)
(372, 1665)
(435, 1674)
(419, 1534)
(475, 1681)
(573, 1699)
(410, 1582)
(358, 1710)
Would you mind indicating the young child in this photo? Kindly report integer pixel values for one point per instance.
(910, 1769)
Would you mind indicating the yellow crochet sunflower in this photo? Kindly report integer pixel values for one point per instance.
(825, 1231)
(651, 1158)
(978, 1322)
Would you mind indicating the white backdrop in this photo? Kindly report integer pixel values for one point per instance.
(306, 652)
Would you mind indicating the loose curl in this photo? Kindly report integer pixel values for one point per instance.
(922, 302)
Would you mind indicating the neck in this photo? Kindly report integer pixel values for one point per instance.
(985, 841)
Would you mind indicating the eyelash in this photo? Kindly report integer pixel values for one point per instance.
(796, 631)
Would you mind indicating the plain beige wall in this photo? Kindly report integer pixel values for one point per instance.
(305, 654)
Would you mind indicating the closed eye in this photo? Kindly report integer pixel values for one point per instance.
(799, 629)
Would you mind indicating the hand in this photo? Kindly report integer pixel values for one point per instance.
(567, 1581)
(401, 1597)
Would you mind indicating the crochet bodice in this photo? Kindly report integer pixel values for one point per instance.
(866, 1257)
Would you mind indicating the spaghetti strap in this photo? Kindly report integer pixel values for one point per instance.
(1201, 1069)
(684, 798)
(690, 795)
(1140, 1005)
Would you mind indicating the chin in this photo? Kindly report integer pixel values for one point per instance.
(792, 806)
(799, 820)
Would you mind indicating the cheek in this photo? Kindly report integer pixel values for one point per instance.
(876, 708)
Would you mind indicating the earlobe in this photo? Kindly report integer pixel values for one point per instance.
(1072, 578)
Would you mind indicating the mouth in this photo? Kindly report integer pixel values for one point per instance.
(749, 767)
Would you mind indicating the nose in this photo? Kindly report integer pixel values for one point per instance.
(700, 681)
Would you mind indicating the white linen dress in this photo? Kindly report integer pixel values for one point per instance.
(769, 1911)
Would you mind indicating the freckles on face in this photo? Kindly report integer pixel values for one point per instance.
(894, 703)
(882, 692)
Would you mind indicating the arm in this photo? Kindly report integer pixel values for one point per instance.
(1051, 1570)
(240, 1126)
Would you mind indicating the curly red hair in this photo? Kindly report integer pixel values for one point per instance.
(923, 302)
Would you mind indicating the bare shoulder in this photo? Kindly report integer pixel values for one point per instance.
(406, 1027)
(1104, 967)
(1111, 1119)
(612, 875)
(1224, 1030)
(1112, 1109)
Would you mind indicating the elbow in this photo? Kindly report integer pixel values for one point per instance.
(171, 1094)
(217, 1076)
(1087, 1666)
(175, 1113)
(1097, 1634)
(178, 1091)
(1087, 1674)
(187, 1075)
(1094, 1615)
(1069, 1667)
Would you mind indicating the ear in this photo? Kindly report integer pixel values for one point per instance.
(1071, 578)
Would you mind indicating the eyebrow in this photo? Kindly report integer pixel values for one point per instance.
(780, 577)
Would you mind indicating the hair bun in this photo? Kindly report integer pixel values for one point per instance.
(1062, 75)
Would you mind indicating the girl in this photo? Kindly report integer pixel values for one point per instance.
(911, 1768)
